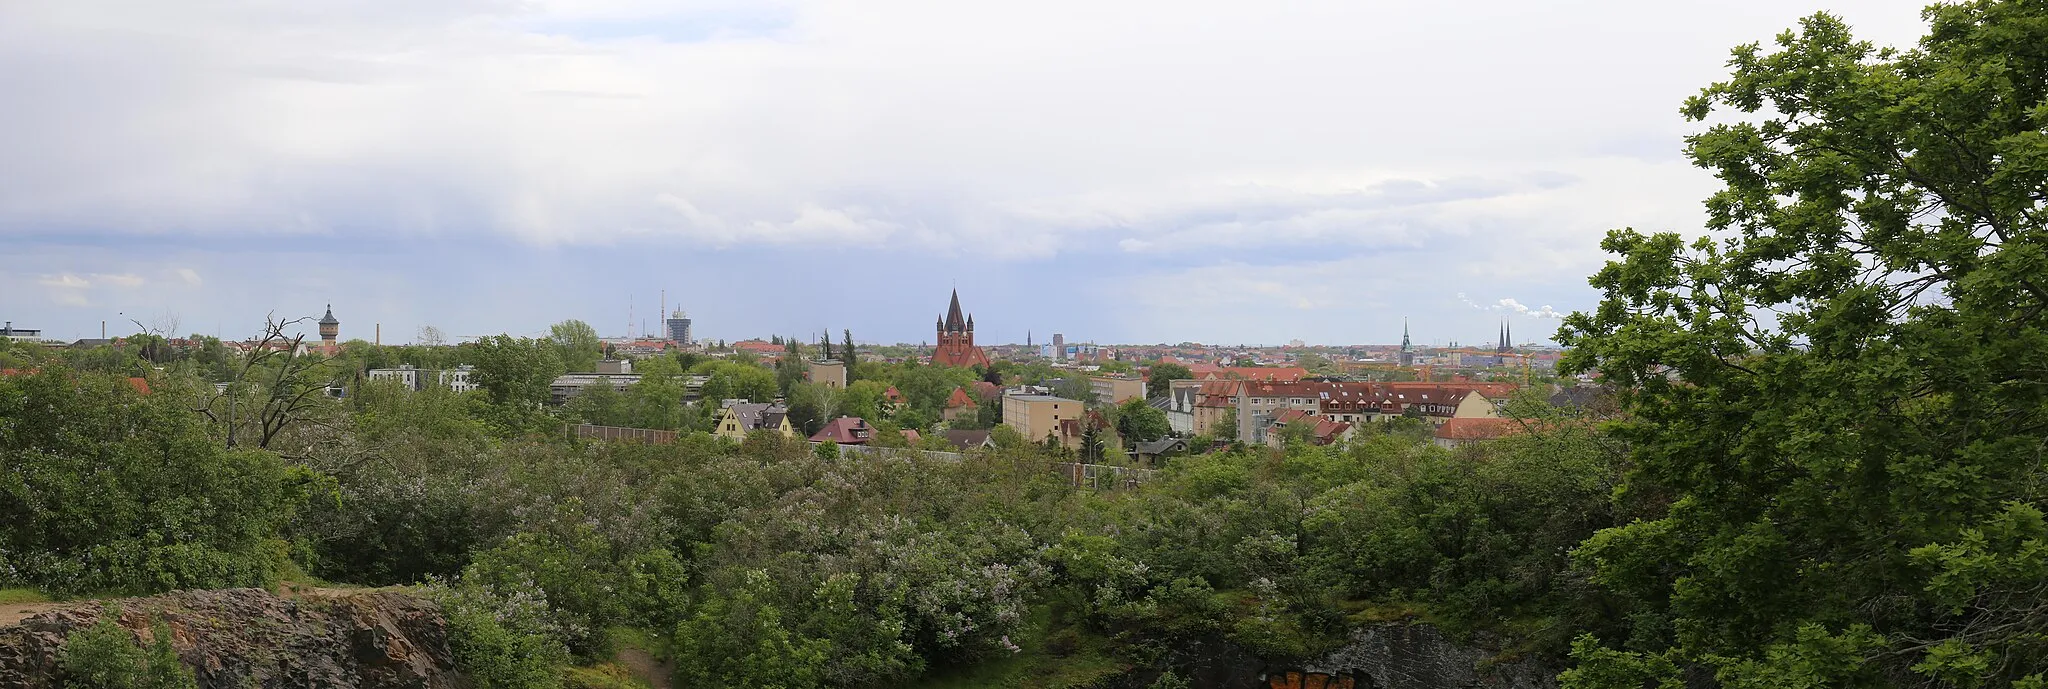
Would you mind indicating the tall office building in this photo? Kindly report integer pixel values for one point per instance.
(679, 328)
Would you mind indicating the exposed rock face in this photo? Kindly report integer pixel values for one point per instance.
(1418, 656)
(238, 638)
(1380, 656)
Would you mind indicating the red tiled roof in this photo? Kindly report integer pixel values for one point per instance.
(1323, 430)
(1214, 372)
(959, 399)
(911, 435)
(845, 430)
(1479, 429)
(987, 390)
(892, 395)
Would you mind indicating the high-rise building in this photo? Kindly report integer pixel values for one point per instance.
(1059, 347)
(679, 327)
(956, 339)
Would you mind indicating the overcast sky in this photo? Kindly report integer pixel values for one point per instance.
(1136, 171)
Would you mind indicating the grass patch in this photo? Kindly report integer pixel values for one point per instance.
(20, 596)
(1373, 612)
(1057, 654)
(635, 637)
(600, 676)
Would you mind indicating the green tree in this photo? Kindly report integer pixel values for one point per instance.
(863, 399)
(576, 344)
(739, 639)
(1159, 380)
(1076, 387)
(515, 372)
(105, 489)
(846, 354)
(811, 406)
(790, 369)
(599, 403)
(1844, 394)
(1139, 422)
(735, 380)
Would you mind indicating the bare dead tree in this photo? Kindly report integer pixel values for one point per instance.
(277, 365)
(160, 329)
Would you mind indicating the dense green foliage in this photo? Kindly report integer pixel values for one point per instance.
(1844, 392)
(105, 489)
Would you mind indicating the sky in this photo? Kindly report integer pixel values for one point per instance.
(1132, 172)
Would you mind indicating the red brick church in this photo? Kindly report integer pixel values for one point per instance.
(956, 339)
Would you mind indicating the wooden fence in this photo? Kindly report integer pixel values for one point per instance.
(645, 435)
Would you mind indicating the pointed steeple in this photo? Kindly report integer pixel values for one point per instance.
(954, 321)
(329, 318)
(1404, 334)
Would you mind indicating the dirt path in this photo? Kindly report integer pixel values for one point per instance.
(644, 667)
(13, 613)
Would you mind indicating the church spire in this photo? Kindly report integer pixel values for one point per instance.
(954, 321)
(1404, 333)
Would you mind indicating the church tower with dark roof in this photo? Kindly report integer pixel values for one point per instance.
(956, 339)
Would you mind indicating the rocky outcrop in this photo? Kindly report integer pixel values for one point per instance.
(238, 638)
(1416, 656)
(1378, 656)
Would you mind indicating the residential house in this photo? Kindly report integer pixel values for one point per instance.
(736, 420)
(960, 405)
(1319, 430)
(1152, 452)
(1259, 403)
(845, 430)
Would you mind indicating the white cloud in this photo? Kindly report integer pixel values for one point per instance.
(1510, 305)
(123, 280)
(1517, 307)
(190, 276)
(65, 281)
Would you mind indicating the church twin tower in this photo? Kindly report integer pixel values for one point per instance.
(956, 339)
